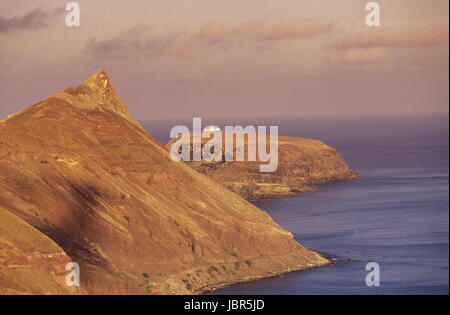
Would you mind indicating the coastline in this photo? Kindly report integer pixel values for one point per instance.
(271, 274)
(308, 189)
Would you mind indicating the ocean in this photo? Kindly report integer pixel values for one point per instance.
(396, 214)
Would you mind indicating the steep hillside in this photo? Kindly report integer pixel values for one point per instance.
(79, 170)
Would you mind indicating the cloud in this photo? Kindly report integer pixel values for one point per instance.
(217, 31)
(143, 40)
(360, 56)
(298, 28)
(209, 37)
(35, 19)
(262, 30)
(394, 38)
(136, 40)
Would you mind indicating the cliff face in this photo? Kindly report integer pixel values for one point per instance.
(83, 175)
(303, 165)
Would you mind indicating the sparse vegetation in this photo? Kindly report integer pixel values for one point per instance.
(188, 284)
(231, 253)
(147, 286)
(212, 269)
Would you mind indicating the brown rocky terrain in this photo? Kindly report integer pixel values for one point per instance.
(30, 262)
(79, 177)
(303, 165)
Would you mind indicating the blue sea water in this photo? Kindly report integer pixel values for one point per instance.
(396, 215)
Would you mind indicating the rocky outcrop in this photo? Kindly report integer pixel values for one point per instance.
(93, 184)
(96, 93)
(303, 165)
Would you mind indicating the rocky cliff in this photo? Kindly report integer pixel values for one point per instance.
(79, 177)
(303, 165)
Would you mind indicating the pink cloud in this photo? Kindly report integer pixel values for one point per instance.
(137, 40)
(360, 56)
(297, 28)
(213, 35)
(394, 38)
(215, 31)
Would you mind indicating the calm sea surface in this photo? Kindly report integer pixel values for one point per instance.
(397, 214)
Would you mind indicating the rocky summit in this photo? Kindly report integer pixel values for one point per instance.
(81, 181)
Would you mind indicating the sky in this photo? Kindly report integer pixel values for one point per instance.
(231, 58)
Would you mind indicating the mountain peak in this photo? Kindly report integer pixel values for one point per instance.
(99, 80)
(96, 93)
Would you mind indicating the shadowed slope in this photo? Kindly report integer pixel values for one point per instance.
(30, 262)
